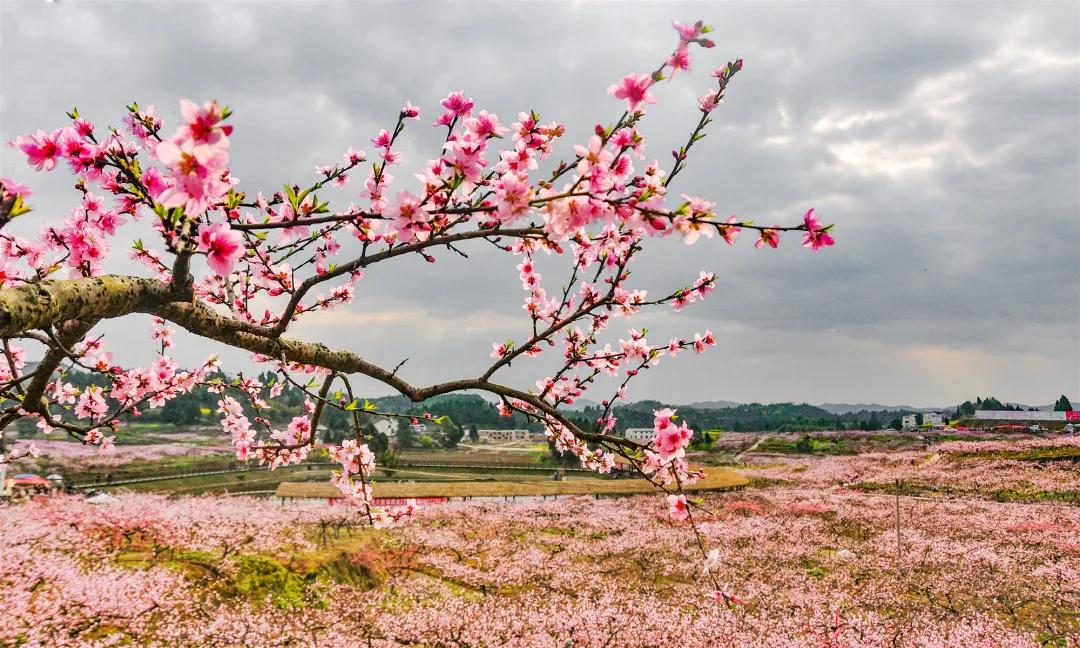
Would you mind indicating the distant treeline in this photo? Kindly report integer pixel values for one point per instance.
(967, 408)
(200, 407)
(753, 417)
(466, 411)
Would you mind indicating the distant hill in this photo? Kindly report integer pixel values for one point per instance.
(847, 408)
(580, 405)
(713, 404)
(1041, 408)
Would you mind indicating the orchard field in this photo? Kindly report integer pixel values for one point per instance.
(807, 557)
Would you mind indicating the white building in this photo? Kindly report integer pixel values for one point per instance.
(1005, 415)
(929, 419)
(386, 426)
(932, 418)
(640, 435)
(504, 436)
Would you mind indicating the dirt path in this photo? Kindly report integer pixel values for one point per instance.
(753, 446)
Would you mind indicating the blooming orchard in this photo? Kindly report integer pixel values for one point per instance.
(798, 567)
(1011, 470)
(274, 258)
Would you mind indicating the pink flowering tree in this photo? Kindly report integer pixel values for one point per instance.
(271, 259)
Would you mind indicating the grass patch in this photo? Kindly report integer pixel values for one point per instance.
(259, 578)
(808, 444)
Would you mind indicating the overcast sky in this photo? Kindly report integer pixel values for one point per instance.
(942, 139)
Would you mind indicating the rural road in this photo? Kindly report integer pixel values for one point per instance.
(752, 447)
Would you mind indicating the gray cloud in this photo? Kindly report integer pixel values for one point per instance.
(941, 138)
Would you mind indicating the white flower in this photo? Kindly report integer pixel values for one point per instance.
(712, 560)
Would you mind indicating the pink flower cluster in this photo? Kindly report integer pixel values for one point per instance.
(197, 158)
(354, 481)
(128, 392)
(665, 460)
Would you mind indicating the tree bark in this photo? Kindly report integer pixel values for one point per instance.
(36, 306)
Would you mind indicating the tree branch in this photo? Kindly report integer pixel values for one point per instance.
(35, 306)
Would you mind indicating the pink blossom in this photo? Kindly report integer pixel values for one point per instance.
(154, 182)
(83, 127)
(678, 508)
(382, 140)
(816, 235)
(197, 173)
(688, 32)
(64, 393)
(729, 231)
(407, 217)
(500, 350)
(409, 111)
(203, 125)
(485, 124)
(87, 246)
(223, 247)
(671, 439)
(458, 104)
(634, 88)
(512, 195)
(9, 187)
(353, 156)
(703, 341)
(679, 60)
(41, 149)
(8, 272)
(595, 158)
(91, 403)
(770, 237)
(709, 101)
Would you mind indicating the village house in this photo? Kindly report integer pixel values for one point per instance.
(504, 436)
(639, 435)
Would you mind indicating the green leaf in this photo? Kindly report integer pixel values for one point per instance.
(18, 207)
